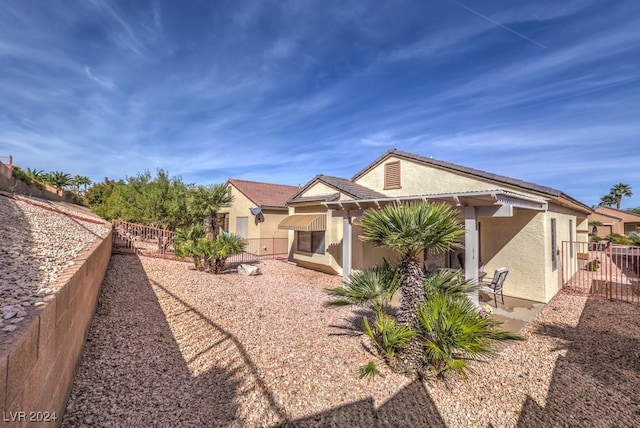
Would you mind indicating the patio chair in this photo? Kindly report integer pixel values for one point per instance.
(460, 257)
(496, 284)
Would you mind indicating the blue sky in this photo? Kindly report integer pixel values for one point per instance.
(279, 91)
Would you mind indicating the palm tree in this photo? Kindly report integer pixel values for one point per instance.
(410, 229)
(608, 200)
(35, 174)
(217, 250)
(60, 180)
(618, 191)
(452, 329)
(204, 204)
(83, 180)
(187, 244)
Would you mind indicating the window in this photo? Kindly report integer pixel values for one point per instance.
(311, 242)
(392, 175)
(554, 245)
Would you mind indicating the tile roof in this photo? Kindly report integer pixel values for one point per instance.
(264, 194)
(357, 191)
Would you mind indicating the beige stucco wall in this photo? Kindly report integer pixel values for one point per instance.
(418, 179)
(365, 255)
(516, 244)
(241, 208)
(317, 189)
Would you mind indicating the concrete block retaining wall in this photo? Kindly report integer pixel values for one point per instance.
(37, 368)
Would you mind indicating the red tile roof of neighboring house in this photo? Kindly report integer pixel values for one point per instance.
(264, 195)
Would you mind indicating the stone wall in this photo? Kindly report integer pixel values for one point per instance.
(37, 368)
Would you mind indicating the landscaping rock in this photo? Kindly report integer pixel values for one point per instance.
(248, 270)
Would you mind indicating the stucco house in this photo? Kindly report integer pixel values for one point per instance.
(614, 221)
(508, 222)
(257, 208)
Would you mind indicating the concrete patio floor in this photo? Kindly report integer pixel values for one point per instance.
(514, 313)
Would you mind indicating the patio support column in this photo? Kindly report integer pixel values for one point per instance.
(471, 264)
(346, 244)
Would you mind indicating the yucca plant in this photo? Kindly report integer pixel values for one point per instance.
(455, 332)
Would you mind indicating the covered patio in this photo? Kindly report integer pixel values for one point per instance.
(472, 206)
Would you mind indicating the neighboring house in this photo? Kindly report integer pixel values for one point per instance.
(257, 208)
(614, 221)
(508, 223)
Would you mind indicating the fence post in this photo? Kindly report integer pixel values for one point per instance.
(609, 279)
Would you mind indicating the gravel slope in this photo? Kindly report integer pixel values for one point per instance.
(38, 240)
(173, 347)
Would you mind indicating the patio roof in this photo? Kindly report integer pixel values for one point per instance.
(459, 199)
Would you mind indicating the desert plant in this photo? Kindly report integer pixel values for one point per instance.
(410, 229)
(455, 332)
(634, 237)
(371, 288)
(217, 250)
(387, 335)
(369, 371)
(616, 238)
(204, 204)
(449, 283)
(593, 265)
(188, 244)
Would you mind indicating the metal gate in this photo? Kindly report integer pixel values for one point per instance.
(602, 269)
(139, 239)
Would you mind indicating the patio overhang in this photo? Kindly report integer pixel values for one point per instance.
(493, 198)
(472, 205)
(304, 222)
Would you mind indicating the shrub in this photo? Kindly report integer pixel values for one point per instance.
(456, 332)
(618, 239)
(593, 265)
(452, 331)
(634, 237)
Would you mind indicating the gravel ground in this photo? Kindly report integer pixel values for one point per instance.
(40, 239)
(170, 346)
